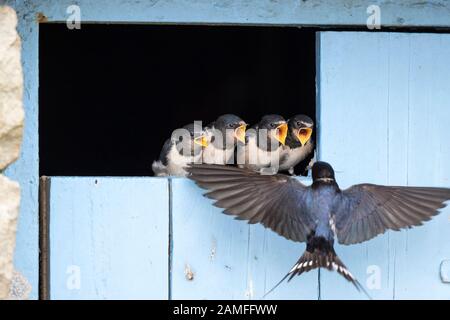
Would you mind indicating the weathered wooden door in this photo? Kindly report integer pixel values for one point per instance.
(384, 102)
(383, 111)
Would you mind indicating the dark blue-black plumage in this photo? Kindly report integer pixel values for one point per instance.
(320, 213)
(299, 144)
(184, 147)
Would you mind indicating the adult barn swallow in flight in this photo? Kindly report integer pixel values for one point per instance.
(222, 136)
(319, 213)
(298, 142)
(263, 143)
(179, 151)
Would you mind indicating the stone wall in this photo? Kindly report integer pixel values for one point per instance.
(11, 127)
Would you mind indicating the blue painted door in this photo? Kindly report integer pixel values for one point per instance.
(383, 112)
(108, 238)
(384, 116)
(217, 257)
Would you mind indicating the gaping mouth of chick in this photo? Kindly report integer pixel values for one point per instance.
(281, 133)
(303, 135)
(239, 133)
(202, 141)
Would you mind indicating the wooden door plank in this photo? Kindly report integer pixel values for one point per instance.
(353, 138)
(217, 257)
(421, 251)
(109, 238)
(388, 91)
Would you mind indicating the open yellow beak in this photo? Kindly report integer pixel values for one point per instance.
(281, 133)
(239, 133)
(202, 141)
(303, 135)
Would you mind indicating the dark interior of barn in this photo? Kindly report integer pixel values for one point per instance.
(110, 95)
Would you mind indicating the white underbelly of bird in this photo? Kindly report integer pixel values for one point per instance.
(176, 164)
(289, 157)
(255, 158)
(212, 155)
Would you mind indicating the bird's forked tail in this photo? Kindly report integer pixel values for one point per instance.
(320, 256)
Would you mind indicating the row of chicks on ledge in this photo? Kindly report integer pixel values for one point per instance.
(273, 144)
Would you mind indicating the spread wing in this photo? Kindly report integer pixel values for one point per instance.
(277, 201)
(366, 210)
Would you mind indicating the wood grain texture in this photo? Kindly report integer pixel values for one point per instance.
(384, 117)
(109, 238)
(217, 257)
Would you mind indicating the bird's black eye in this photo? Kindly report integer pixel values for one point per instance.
(230, 125)
(273, 125)
(299, 123)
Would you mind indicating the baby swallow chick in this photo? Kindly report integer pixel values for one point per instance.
(183, 148)
(222, 136)
(298, 142)
(263, 144)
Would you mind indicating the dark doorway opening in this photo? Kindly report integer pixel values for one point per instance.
(109, 95)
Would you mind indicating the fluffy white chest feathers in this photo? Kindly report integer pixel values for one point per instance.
(291, 157)
(177, 162)
(213, 155)
(256, 158)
